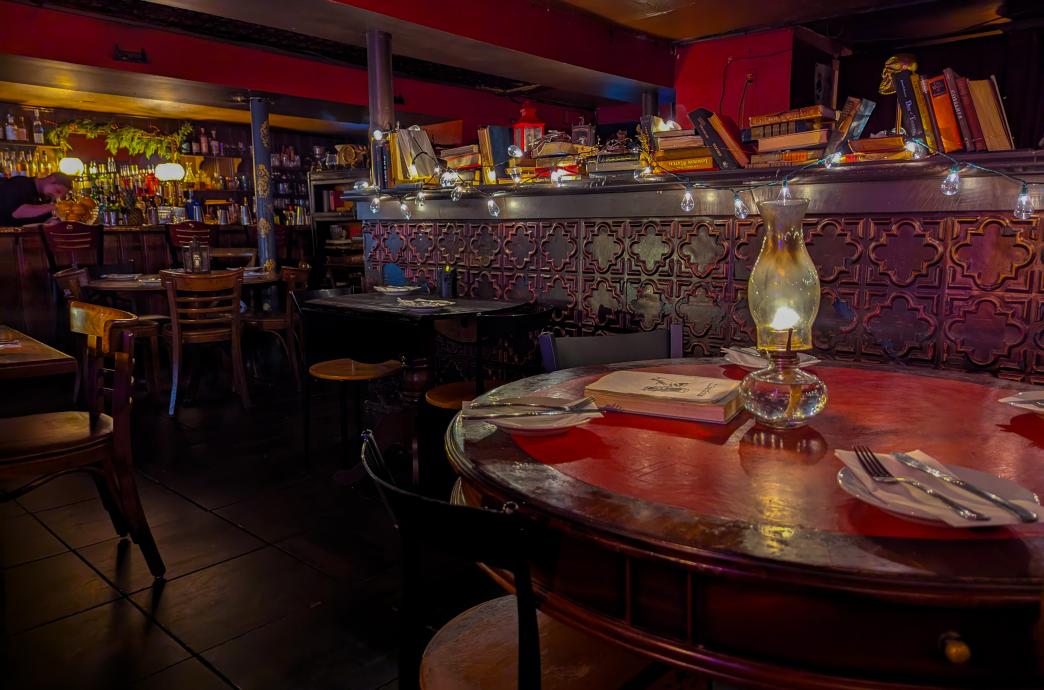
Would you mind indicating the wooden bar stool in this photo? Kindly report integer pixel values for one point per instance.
(284, 323)
(346, 372)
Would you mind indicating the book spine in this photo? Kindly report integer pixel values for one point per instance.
(922, 110)
(806, 113)
(929, 109)
(908, 105)
(942, 106)
(958, 108)
(700, 163)
(730, 137)
(721, 154)
(978, 141)
(1003, 111)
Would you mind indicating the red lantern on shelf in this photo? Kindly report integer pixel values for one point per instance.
(529, 128)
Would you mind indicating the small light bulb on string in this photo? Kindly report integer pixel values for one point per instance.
(438, 170)
(378, 135)
(784, 191)
(404, 209)
(916, 148)
(415, 128)
(1024, 204)
(361, 185)
(448, 178)
(515, 151)
(557, 176)
(688, 201)
(640, 173)
(833, 159)
(457, 192)
(740, 209)
(493, 207)
(516, 175)
(375, 205)
(951, 184)
(421, 196)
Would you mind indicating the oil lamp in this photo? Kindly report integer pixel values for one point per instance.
(528, 129)
(783, 295)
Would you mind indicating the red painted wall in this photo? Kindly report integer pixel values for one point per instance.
(73, 38)
(700, 72)
(539, 28)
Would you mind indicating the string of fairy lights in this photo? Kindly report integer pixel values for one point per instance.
(460, 188)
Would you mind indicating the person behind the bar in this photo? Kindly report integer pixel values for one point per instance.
(25, 200)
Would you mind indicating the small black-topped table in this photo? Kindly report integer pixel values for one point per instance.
(375, 304)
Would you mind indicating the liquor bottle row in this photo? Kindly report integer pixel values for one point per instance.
(204, 145)
(35, 163)
(16, 130)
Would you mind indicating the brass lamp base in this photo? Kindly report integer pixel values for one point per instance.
(781, 395)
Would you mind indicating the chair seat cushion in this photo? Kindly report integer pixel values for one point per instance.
(39, 434)
(479, 650)
(351, 370)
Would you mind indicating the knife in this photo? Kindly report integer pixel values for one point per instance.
(1017, 510)
(530, 413)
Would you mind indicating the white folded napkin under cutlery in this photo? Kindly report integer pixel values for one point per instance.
(1025, 401)
(900, 497)
(746, 358)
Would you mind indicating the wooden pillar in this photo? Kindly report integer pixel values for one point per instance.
(261, 138)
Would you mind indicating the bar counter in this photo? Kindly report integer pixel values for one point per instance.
(26, 290)
(909, 275)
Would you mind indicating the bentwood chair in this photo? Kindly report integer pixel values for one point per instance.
(284, 323)
(97, 441)
(568, 352)
(181, 234)
(72, 244)
(72, 285)
(502, 643)
(204, 309)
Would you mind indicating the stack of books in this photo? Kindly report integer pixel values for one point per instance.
(952, 113)
(694, 398)
(722, 139)
(794, 137)
(465, 161)
(681, 150)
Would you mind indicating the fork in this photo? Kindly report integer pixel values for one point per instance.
(879, 473)
(544, 406)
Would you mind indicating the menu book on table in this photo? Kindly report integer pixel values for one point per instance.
(694, 398)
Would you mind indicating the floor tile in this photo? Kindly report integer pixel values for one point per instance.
(280, 513)
(214, 605)
(105, 648)
(11, 509)
(341, 554)
(86, 522)
(195, 541)
(190, 674)
(216, 477)
(24, 539)
(62, 491)
(316, 648)
(44, 590)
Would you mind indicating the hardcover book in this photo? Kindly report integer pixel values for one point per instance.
(723, 158)
(991, 116)
(958, 108)
(854, 116)
(907, 99)
(806, 113)
(800, 140)
(930, 109)
(978, 141)
(922, 109)
(695, 398)
(942, 108)
(687, 164)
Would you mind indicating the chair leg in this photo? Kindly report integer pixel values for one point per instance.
(135, 514)
(411, 627)
(291, 353)
(307, 418)
(108, 493)
(175, 373)
(237, 370)
(153, 367)
(343, 391)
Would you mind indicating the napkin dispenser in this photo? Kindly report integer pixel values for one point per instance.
(195, 257)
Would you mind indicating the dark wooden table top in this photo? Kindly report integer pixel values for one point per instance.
(116, 285)
(376, 304)
(31, 357)
(760, 498)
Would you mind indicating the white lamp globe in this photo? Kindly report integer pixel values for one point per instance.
(170, 172)
(71, 166)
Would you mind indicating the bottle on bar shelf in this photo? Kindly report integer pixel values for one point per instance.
(38, 128)
(23, 133)
(10, 129)
(215, 145)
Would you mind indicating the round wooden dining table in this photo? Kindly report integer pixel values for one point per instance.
(730, 549)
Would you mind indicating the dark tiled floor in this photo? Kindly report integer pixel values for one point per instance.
(277, 578)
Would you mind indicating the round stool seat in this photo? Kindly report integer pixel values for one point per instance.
(479, 649)
(350, 370)
(452, 396)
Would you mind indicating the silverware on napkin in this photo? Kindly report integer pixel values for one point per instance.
(1020, 512)
(572, 407)
(531, 413)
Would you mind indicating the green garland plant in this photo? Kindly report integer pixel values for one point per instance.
(134, 139)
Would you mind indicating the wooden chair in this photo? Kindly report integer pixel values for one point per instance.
(568, 352)
(182, 234)
(502, 643)
(98, 441)
(72, 244)
(284, 323)
(72, 285)
(204, 308)
(489, 328)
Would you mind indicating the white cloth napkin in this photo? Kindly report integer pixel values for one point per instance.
(900, 496)
(11, 345)
(1024, 401)
(751, 361)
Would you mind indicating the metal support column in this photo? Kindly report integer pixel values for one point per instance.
(261, 138)
(382, 99)
(650, 103)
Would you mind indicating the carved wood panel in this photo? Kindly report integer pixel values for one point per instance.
(956, 291)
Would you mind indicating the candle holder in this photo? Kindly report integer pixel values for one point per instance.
(783, 295)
